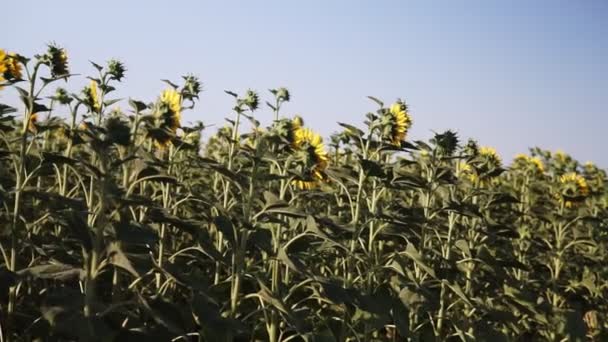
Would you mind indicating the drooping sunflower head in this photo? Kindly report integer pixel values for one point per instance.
(396, 122)
(573, 189)
(91, 97)
(58, 61)
(310, 151)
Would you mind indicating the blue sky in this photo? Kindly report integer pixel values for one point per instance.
(512, 74)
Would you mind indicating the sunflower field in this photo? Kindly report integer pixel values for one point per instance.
(127, 225)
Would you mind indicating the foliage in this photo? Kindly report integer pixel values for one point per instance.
(126, 225)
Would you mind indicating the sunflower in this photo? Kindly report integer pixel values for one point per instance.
(573, 189)
(465, 170)
(91, 97)
(3, 67)
(529, 163)
(490, 154)
(310, 146)
(58, 61)
(400, 122)
(31, 125)
(168, 115)
(172, 100)
(10, 68)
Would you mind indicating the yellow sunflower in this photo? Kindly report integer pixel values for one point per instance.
(311, 143)
(401, 123)
(529, 162)
(31, 125)
(465, 170)
(573, 189)
(13, 67)
(168, 115)
(490, 154)
(172, 99)
(92, 98)
(3, 66)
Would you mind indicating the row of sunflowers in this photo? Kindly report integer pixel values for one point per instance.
(127, 225)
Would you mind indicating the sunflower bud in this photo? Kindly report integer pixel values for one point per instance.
(62, 96)
(471, 149)
(251, 100)
(192, 87)
(446, 142)
(116, 70)
(282, 95)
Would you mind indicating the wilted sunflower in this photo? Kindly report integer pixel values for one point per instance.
(168, 115)
(573, 189)
(400, 122)
(311, 145)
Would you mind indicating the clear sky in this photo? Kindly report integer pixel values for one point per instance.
(512, 74)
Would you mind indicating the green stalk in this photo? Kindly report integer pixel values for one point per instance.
(19, 178)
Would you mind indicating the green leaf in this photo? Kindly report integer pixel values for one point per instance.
(413, 254)
(55, 271)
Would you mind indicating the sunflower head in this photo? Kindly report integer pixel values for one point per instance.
(116, 70)
(192, 87)
(91, 97)
(2, 65)
(487, 163)
(529, 163)
(32, 126)
(168, 116)
(285, 130)
(58, 61)
(573, 189)
(395, 123)
(310, 152)
(489, 156)
(446, 142)
(251, 100)
(281, 94)
(10, 66)
(464, 170)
